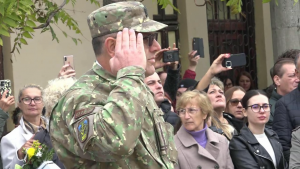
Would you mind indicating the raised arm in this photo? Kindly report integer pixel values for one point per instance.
(214, 69)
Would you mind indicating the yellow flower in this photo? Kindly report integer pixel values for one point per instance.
(30, 152)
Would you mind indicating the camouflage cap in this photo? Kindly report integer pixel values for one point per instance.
(116, 16)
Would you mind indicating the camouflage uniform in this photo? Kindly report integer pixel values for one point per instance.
(111, 122)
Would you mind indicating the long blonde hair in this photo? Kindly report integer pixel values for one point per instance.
(226, 128)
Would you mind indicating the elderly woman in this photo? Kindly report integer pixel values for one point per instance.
(256, 146)
(233, 111)
(219, 124)
(197, 145)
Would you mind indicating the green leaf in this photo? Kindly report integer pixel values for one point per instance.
(28, 29)
(276, 2)
(10, 22)
(53, 33)
(2, 9)
(295, 1)
(4, 26)
(27, 35)
(30, 23)
(266, 1)
(45, 29)
(14, 17)
(22, 40)
(1, 42)
(75, 40)
(4, 32)
(65, 34)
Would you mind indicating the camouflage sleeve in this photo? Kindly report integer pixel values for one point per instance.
(110, 131)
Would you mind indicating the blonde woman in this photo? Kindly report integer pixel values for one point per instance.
(219, 124)
(197, 145)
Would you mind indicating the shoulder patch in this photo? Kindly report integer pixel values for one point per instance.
(82, 112)
(83, 129)
(296, 128)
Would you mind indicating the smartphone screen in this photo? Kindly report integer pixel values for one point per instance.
(235, 60)
(69, 60)
(198, 45)
(5, 85)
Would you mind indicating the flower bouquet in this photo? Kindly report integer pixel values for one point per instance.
(36, 156)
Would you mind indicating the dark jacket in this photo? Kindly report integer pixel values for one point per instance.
(287, 118)
(234, 122)
(44, 138)
(169, 116)
(172, 80)
(3, 118)
(273, 99)
(247, 153)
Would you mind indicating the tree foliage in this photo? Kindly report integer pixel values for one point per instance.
(24, 17)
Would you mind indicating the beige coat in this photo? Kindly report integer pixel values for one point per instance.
(191, 155)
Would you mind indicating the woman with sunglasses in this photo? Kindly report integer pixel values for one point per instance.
(233, 112)
(256, 147)
(197, 145)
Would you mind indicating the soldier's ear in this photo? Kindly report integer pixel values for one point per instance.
(109, 46)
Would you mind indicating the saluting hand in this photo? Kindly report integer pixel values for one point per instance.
(129, 51)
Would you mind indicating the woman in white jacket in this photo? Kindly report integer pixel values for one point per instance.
(12, 145)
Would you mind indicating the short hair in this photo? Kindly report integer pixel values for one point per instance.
(291, 53)
(244, 73)
(160, 72)
(251, 94)
(199, 98)
(228, 94)
(277, 69)
(17, 113)
(27, 87)
(54, 91)
(98, 42)
(216, 81)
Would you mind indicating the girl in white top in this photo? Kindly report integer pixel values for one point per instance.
(256, 147)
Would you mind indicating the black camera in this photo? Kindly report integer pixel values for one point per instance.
(171, 56)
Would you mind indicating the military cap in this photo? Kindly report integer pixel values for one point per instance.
(114, 17)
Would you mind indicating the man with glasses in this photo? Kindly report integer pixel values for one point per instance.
(108, 118)
(287, 116)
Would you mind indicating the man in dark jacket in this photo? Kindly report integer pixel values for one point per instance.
(154, 83)
(287, 116)
(285, 80)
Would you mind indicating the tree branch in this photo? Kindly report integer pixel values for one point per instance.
(51, 16)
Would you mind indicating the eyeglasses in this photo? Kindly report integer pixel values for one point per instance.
(235, 102)
(150, 38)
(28, 100)
(256, 107)
(191, 111)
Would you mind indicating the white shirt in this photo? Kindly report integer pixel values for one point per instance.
(264, 141)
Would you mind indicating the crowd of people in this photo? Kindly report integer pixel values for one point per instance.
(124, 114)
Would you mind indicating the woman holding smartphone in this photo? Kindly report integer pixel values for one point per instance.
(256, 147)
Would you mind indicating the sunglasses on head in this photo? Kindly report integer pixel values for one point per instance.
(235, 102)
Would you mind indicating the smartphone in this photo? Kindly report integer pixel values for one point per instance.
(5, 85)
(69, 60)
(235, 60)
(198, 45)
(171, 56)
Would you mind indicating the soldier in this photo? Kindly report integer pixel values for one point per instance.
(108, 119)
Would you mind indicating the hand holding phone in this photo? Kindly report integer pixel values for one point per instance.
(198, 46)
(68, 60)
(235, 60)
(171, 56)
(5, 85)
